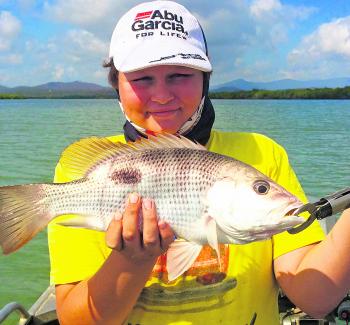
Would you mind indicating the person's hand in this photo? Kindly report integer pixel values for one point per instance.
(123, 233)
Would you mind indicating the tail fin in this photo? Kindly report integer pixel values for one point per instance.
(23, 214)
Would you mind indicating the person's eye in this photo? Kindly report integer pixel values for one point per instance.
(177, 76)
(142, 79)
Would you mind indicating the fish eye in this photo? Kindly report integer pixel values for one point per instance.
(261, 187)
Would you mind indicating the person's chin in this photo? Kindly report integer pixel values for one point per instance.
(164, 125)
(164, 128)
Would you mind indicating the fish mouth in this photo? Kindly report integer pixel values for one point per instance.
(289, 219)
(286, 218)
(290, 212)
(291, 208)
(283, 219)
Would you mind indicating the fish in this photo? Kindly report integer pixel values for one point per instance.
(207, 198)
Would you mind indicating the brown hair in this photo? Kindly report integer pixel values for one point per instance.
(112, 74)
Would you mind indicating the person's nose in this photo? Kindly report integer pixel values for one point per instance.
(162, 93)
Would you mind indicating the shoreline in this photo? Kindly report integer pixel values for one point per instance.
(302, 93)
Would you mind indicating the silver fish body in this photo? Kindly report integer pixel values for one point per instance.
(177, 179)
(207, 198)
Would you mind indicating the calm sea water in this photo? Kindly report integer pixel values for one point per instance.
(316, 135)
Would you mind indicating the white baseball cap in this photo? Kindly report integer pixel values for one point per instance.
(158, 33)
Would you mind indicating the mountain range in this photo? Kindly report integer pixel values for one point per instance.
(241, 84)
(62, 89)
(78, 89)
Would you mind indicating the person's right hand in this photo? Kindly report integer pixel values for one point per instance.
(123, 233)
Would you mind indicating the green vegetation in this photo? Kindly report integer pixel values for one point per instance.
(33, 93)
(11, 96)
(308, 93)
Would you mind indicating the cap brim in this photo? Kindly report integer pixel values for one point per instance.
(151, 53)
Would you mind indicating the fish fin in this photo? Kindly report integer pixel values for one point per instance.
(80, 157)
(181, 255)
(166, 140)
(23, 213)
(212, 236)
(81, 221)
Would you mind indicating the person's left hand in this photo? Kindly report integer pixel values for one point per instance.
(124, 235)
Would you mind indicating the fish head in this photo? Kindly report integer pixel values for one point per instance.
(251, 206)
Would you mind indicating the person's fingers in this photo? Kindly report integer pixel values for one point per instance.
(167, 235)
(130, 230)
(150, 227)
(124, 234)
(114, 232)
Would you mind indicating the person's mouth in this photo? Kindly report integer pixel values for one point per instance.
(163, 113)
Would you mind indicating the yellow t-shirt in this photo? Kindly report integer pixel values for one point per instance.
(244, 286)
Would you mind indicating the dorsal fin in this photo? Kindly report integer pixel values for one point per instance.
(80, 157)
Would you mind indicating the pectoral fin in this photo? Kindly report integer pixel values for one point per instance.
(212, 236)
(180, 257)
(81, 221)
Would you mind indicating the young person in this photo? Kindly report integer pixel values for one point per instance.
(160, 69)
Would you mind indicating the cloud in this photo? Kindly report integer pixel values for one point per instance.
(328, 45)
(100, 74)
(239, 29)
(13, 58)
(97, 17)
(84, 41)
(10, 27)
(74, 55)
(233, 28)
(77, 38)
(26, 4)
(266, 10)
(3, 77)
(329, 39)
(78, 11)
(58, 72)
(274, 20)
(86, 12)
(260, 8)
(259, 70)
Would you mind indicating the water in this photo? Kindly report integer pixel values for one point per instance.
(315, 133)
(34, 132)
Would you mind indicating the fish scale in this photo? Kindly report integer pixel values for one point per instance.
(206, 198)
(176, 186)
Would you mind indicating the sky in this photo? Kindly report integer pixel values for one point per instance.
(257, 40)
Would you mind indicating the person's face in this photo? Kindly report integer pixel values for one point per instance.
(162, 98)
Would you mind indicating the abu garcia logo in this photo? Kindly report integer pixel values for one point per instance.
(167, 23)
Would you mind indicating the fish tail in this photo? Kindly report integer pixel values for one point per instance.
(23, 213)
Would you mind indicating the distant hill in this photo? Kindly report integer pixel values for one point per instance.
(78, 89)
(75, 89)
(75, 85)
(241, 84)
(3, 89)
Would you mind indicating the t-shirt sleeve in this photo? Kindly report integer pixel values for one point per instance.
(285, 176)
